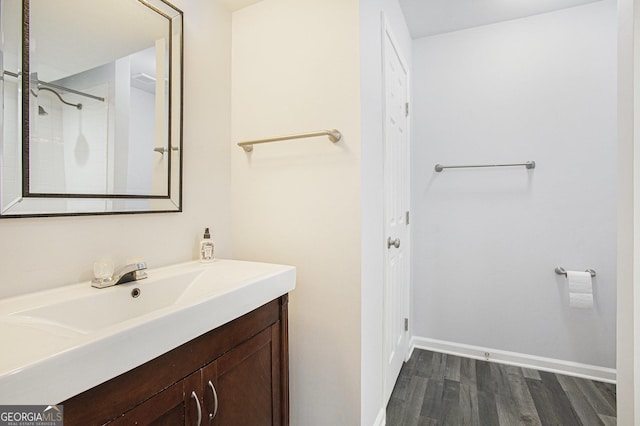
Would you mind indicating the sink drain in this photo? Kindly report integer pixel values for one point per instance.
(135, 292)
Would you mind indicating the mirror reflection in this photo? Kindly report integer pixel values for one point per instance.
(100, 85)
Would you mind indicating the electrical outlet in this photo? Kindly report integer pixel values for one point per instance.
(487, 355)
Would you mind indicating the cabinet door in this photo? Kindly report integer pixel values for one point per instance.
(192, 391)
(167, 408)
(180, 404)
(247, 382)
(211, 401)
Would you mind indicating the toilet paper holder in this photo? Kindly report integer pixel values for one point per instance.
(561, 271)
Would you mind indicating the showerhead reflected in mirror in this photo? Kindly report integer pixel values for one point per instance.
(98, 85)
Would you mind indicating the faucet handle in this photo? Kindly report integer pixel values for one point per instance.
(103, 273)
(102, 269)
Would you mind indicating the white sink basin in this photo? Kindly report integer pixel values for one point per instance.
(76, 337)
(112, 305)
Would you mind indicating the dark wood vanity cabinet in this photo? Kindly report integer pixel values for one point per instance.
(239, 372)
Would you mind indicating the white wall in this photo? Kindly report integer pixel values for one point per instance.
(486, 241)
(87, 134)
(10, 144)
(143, 159)
(40, 253)
(372, 204)
(296, 69)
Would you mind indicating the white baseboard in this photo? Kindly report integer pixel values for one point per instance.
(568, 368)
(381, 420)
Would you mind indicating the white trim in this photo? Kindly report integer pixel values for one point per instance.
(633, 47)
(568, 368)
(410, 349)
(381, 419)
(628, 310)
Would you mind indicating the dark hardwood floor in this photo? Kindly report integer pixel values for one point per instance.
(440, 389)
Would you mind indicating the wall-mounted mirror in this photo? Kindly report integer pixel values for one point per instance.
(91, 115)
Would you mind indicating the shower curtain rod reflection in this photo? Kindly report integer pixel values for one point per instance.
(57, 86)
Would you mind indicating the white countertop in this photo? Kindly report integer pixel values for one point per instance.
(61, 342)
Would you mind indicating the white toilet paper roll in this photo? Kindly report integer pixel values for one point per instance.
(580, 289)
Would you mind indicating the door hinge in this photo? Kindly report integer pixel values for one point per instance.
(406, 324)
(406, 109)
(407, 218)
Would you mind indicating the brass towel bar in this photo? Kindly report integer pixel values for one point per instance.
(334, 136)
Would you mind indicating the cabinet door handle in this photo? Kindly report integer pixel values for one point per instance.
(195, 396)
(215, 401)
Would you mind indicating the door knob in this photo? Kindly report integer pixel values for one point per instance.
(395, 243)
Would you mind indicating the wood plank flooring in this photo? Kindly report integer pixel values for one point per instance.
(440, 389)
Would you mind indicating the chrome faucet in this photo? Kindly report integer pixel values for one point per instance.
(128, 273)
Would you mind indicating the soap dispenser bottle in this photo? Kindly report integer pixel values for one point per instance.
(206, 248)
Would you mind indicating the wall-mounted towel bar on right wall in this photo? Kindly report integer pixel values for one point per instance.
(528, 165)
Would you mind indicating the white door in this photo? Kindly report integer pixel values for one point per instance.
(396, 180)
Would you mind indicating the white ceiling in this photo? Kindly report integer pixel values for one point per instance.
(429, 17)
